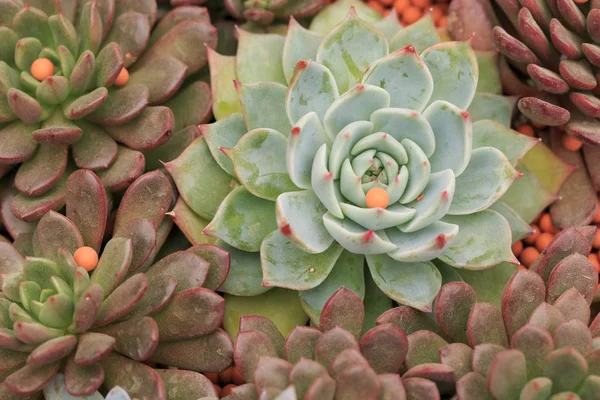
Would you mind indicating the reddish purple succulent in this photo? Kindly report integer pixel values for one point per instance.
(538, 345)
(100, 328)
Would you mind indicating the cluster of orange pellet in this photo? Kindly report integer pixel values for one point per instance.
(410, 11)
(528, 249)
(224, 382)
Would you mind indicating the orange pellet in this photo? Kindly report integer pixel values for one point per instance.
(542, 241)
(546, 224)
(86, 257)
(517, 248)
(529, 255)
(443, 21)
(227, 390)
(537, 124)
(595, 260)
(533, 237)
(375, 5)
(597, 217)
(571, 143)
(522, 267)
(386, 3)
(401, 5)
(526, 130)
(436, 13)
(237, 376)
(122, 78)
(596, 242)
(42, 68)
(411, 15)
(377, 198)
(225, 376)
(421, 3)
(212, 376)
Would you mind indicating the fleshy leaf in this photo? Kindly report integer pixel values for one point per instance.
(300, 44)
(268, 48)
(256, 97)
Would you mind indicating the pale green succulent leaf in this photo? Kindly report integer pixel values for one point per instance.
(259, 164)
(355, 105)
(324, 185)
(335, 13)
(57, 312)
(243, 220)
(511, 143)
(300, 217)
(397, 186)
(453, 137)
(41, 270)
(412, 284)
(389, 26)
(263, 106)
(405, 77)
(286, 265)
(300, 44)
(419, 170)
(245, 273)
(421, 35)
(492, 106)
(405, 124)
(350, 182)
(312, 89)
(344, 143)
(203, 192)
(222, 74)
(349, 48)
(29, 291)
(538, 198)
(422, 245)
(489, 73)
(383, 143)
(259, 57)
(487, 177)
(483, 240)
(303, 143)
(436, 200)
(355, 238)
(455, 72)
(224, 134)
(518, 227)
(348, 272)
(378, 218)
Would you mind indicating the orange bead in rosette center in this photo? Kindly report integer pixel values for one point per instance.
(42, 68)
(377, 198)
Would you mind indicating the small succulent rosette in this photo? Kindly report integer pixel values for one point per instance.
(96, 85)
(101, 328)
(340, 359)
(264, 12)
(535, 344)
(350, 146)
(56, 390)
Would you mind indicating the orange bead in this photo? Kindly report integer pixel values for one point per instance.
(377, 198)
(86, 258)
(436, 13)
(542, 241)
(517, 248)
(533, 237)
(529, 255)
(375, 5)
(537, 124)
(596, 241)
(42, 68)
(122, 78)
(522, 267)
(571, 143)
(597, 217)
(227, 390)
(387, 3)
(401, 5)
(411, 15)
(442, 22)
(237, 377)
(526, 130)
(421, 3)
(225, 376)
(595, 260)
(546, 224)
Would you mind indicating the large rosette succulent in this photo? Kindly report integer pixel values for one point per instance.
(64, 89)
(99, 328)
(368, 152)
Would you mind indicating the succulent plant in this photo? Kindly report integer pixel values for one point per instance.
(56, 390)
(97, 328)
(555, 47)
(80, 100)
(333, 361)
(351, 162)
(264, 12)
(538, 346)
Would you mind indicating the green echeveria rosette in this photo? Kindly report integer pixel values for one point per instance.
(115, 130)
(307, 154)
(99, 328)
